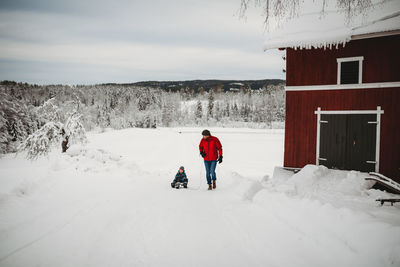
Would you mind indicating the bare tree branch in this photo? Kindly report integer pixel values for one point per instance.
(281, 9)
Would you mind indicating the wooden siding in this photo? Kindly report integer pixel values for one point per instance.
(301, 123)
(319, 66)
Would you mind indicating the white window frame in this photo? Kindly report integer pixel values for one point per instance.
(378, 113)
(343, 86)
(347, 59)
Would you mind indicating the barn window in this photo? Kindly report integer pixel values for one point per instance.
(349, 70)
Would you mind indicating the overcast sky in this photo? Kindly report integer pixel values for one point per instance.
(84, 42)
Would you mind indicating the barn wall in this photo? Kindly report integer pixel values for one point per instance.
(301, 123)
(319, 66)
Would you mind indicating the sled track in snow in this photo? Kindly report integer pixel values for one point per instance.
(48, 233)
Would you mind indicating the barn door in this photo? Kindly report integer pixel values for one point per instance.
(348, 141)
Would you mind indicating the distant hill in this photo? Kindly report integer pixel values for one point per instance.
(196, 85)
(193, 86)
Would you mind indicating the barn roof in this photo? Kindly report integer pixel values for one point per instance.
(314, 29)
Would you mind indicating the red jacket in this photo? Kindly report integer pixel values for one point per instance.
(212, 146)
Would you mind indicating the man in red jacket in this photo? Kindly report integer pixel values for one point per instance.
(211, 150)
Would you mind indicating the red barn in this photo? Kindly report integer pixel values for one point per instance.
(343, 90)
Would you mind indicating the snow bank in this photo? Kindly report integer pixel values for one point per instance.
(22, 178)
(254, 188)
(315, 180)
(339, 188)
(86, 159)
(329, 209)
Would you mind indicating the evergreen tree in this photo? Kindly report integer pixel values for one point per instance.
(3, 133)
(15, 122)
(227, 110)
(210, 104)
(235, 110)
(217, 113)
(199, 110)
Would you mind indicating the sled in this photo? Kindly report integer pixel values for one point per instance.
(386, 183)
(390, 200)
(292, 169)
(179, 185)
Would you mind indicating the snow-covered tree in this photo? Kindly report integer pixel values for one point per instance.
(235, 110)
(49, 111)
(210, 104)
(54, 133)
(227, 110)
(16, 122)
(217, 113)
(73, 132)
(199, 110)
(170, 108)
(56, 130)
(3, 133)
(42, 141)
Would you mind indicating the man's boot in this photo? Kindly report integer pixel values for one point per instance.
(214, 184)
(209, 187)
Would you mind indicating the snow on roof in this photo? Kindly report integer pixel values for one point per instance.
(314, 29)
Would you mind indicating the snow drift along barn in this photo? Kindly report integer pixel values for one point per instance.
(343, 90)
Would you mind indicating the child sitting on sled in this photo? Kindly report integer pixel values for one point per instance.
(180, 179)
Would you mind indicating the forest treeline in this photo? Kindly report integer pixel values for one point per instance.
(26, 108)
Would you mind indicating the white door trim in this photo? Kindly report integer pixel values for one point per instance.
(378, 110)
(378, 113)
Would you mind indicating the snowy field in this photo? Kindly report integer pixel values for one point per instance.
(110, 204)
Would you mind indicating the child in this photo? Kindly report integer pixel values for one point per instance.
(180, 177)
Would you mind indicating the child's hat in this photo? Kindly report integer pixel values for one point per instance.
(182, 168)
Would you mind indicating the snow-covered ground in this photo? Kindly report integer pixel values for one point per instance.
(110, 204)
